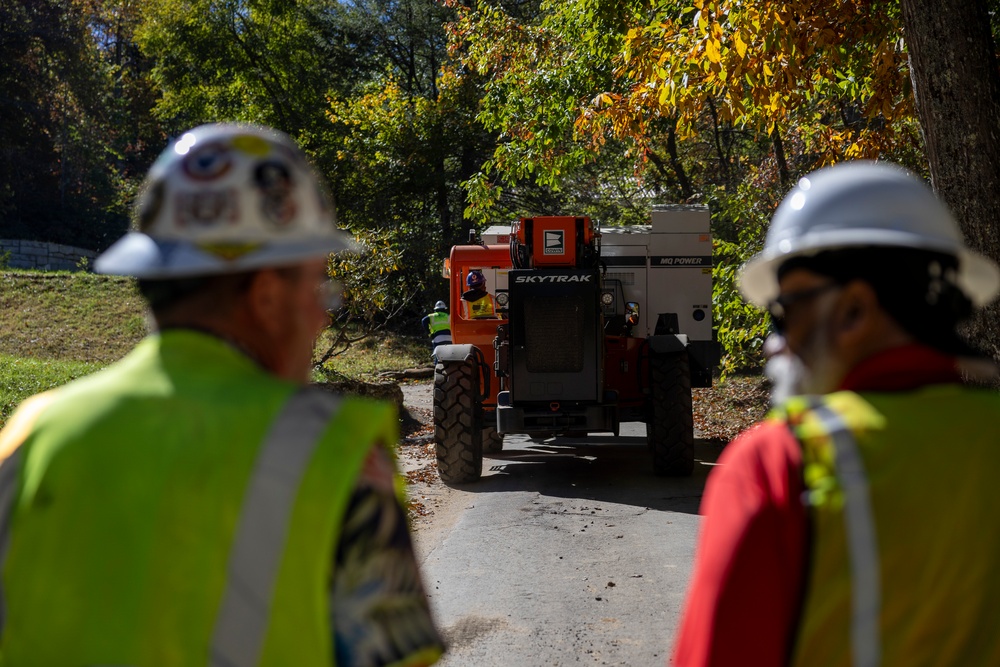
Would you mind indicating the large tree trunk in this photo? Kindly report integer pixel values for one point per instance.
(956, 84)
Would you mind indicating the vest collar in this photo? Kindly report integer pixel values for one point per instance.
(902, 368)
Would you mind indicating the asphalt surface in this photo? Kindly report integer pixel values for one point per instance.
(567, 552)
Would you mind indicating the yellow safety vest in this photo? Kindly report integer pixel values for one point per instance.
(481, 307)
(904, 501)
(439, 328)
(181, 507)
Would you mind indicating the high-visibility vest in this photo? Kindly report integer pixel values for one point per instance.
(439, 328)
(481, 307)
(903, 497)
(180, 507)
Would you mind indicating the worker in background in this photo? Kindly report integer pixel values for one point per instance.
(856, 525)
(437, 324)
(477, 303)
(195, 502)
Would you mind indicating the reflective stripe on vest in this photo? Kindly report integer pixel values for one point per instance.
(862, 545)
(9, 472)
(263, 527)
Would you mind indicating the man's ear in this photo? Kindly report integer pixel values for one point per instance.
(857, 313)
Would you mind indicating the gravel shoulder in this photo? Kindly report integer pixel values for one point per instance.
(433, 507)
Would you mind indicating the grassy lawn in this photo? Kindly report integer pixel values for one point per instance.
(57, 326)
(23, 377)
(69, 316)
(380, 352)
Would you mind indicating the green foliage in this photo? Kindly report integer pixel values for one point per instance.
(431, 118)
(710, 101)
(398, 159)
(57, 170)
(740, 223)
(373, 283)
(365, 89)
(742, 327)
(248, 61)
(538, 71)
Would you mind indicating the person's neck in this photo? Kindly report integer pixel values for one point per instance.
(233, 339)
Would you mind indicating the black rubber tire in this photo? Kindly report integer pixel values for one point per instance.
(458, 436)
(492, 441)
(670, 429)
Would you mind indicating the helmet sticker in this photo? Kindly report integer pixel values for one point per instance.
(208, 162)
(251, 145)
(475, 278)
(274, 180)
(207, 208)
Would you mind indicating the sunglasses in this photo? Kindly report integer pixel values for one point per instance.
(778, 308)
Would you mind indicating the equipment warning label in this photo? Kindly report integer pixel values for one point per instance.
(554, 242)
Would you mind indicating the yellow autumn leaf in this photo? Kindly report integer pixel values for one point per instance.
(741, 46)
(712, 50)
(664, 95)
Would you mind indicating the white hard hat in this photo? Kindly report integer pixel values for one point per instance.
(223, 199)
(440, 305)
(863, 204)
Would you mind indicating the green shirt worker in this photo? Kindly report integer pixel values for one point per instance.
(195, 503)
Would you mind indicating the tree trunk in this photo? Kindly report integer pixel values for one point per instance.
(953, 67)
(779, 157)
(687, 190)
(716, 132)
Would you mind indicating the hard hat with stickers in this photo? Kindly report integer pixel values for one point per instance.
(225, 198)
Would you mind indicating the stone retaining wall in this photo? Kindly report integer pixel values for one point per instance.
(44, 256)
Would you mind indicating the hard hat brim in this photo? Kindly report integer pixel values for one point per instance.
(140, 256)
(978, 276)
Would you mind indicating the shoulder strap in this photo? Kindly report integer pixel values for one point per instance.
(862, 543)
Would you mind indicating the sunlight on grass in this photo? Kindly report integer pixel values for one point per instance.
(21, 378)
(70, 316)
(381, 351)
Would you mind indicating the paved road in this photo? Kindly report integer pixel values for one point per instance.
(567, 552)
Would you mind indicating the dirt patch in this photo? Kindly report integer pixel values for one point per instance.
(467, 629)
(724, 410)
